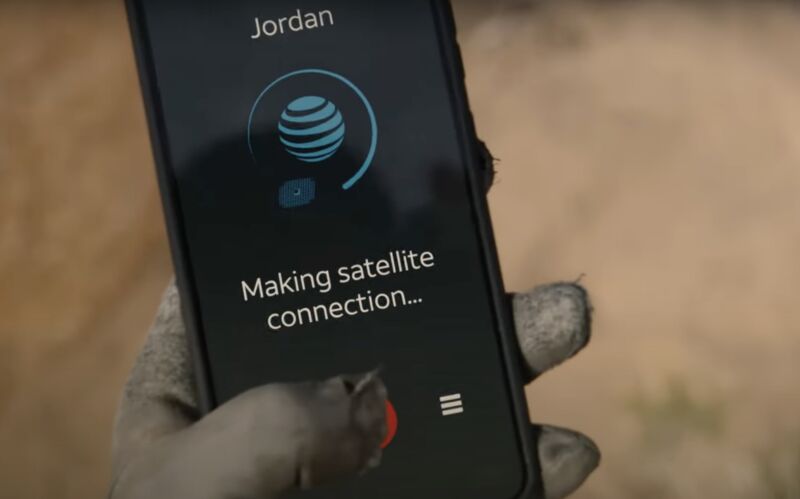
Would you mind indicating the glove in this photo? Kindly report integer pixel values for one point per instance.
(272, 439)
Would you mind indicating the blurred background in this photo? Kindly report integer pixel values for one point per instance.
(652, 147)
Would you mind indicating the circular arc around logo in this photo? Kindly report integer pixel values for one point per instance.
(373, 146)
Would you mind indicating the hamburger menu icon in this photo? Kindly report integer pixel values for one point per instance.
(315, 133)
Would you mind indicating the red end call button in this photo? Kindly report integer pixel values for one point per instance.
(391, 425)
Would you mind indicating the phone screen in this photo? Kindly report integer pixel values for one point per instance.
(329, 223)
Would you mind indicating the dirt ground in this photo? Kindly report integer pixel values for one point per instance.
(651, 147)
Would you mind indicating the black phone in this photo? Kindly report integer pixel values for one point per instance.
(320, 177)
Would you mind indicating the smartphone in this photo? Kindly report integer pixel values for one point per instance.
(320, 177)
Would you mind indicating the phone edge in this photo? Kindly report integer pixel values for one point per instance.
(470, 144)
(171, 206)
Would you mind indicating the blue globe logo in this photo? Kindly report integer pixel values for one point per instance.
(312, 129)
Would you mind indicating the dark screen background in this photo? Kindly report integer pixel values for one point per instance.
(209, 73)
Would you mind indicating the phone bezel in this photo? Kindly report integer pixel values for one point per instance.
(470, 150)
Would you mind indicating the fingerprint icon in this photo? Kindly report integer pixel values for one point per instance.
(312, 129)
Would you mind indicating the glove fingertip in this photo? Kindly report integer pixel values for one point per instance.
(553, 324)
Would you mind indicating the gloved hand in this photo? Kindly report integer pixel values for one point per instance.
(272, 439)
